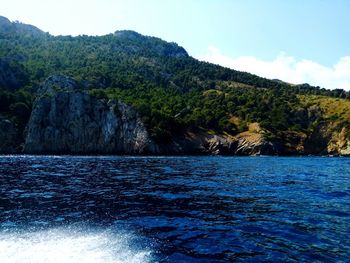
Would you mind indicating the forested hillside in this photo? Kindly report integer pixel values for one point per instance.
(173, 93)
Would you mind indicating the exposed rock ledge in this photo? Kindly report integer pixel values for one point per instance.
(67, 120)
(251, 142)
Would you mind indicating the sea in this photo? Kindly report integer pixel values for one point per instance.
(131, 209)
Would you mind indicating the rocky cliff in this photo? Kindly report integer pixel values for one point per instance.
(340, 143)
(249, 143)
(67, 120)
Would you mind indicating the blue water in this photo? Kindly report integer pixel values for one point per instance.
(174, 209)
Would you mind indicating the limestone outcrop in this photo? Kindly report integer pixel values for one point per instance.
(68, 120)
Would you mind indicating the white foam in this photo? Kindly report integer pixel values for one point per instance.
(68, 246)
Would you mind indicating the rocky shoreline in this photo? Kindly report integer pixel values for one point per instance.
(67, 120)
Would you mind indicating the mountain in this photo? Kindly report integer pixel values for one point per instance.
(185, 105)
(9, 28)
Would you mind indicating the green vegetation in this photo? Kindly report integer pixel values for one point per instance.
(172, 91)
(330, 106)
(169, 111)
(334, 110)
(16, 105)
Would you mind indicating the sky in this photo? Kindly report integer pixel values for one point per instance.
(298, 41)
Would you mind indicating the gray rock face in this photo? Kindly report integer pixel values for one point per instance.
(219, 145)
(209, 144)
(161, 48)
(57, 83)
(8, 136)
(66, 120)
(8, 27)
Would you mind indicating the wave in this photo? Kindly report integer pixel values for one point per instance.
(70, 246)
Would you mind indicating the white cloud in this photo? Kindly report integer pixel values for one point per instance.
(287, 68)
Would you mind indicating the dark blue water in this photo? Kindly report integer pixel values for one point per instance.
(174, 209)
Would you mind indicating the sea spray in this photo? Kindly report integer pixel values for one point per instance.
(70, 246)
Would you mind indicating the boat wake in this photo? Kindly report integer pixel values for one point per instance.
(70, 246)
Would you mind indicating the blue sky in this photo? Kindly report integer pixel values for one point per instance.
(296, 41)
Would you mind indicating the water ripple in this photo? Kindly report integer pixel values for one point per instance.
(190, 209)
